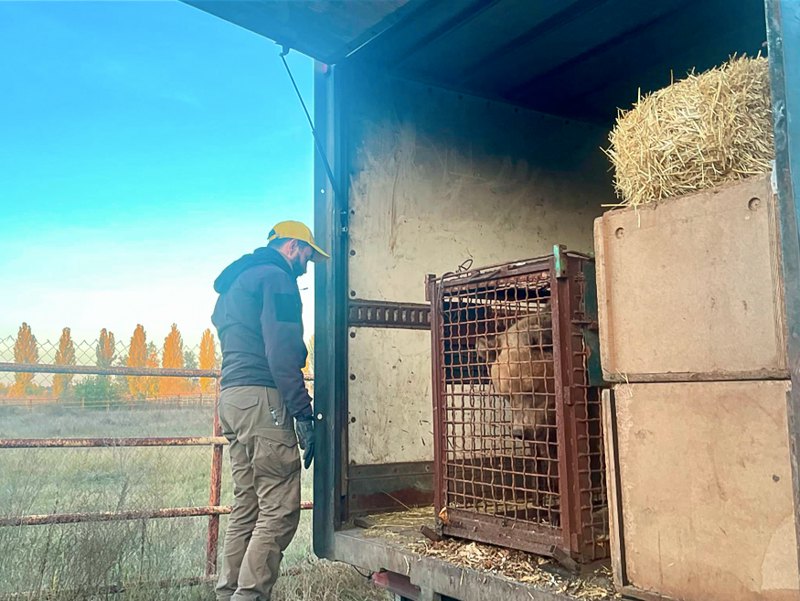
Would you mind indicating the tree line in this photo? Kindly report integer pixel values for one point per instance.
(140, 353)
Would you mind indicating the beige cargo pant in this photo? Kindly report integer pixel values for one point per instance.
(266, 485)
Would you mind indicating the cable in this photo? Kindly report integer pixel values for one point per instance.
(368, 576)
(318, 144)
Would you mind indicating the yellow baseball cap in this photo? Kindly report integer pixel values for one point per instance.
(297, 231)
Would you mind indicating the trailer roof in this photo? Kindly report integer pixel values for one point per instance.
(577, 58)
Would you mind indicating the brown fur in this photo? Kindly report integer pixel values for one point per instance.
(520, 363)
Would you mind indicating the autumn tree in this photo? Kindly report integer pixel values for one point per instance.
(25, 351)
(172, 358)
(137, 357)
(105, 349)
(208, 359)
(64, 356)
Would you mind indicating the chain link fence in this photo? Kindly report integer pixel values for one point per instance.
(101, 391)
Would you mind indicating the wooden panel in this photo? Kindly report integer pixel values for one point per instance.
(439, 179)
(706, 490)
(390, 408)
(690, 289)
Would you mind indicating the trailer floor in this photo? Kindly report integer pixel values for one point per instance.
(461, 570)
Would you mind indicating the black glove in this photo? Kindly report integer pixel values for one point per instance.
(305, 436)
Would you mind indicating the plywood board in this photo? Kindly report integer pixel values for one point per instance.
(440, 178)
(690, 289)
(390, 406)
(706, 490)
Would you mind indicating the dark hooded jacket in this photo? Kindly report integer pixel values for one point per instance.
(258, 317)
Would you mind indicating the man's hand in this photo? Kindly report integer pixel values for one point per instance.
(305, 437)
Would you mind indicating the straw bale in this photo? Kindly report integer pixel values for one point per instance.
(702, 131)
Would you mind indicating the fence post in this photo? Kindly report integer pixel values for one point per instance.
(215, 492)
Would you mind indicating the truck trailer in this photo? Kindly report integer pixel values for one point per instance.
(452, 134)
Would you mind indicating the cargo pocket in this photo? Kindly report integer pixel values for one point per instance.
(275, 453)
(241, 401)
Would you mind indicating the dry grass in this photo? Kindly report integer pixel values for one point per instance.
(519, 566)
(699, 132)
(319, 580)
(397, 523)
(401, 528)
(63, 562)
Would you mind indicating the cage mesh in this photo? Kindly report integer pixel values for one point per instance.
(519, 445)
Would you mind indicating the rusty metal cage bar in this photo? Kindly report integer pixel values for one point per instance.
(213, 510)
(518, 453)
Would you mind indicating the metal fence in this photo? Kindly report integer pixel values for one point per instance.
(79, 412)
(518, 444)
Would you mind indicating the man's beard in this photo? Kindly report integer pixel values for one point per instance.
(299, 267)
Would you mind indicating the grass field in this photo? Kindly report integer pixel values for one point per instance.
(71, 557)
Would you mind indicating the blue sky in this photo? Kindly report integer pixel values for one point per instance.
(144, 146)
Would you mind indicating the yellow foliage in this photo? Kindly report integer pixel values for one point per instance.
(137, 357)
(208, 360)
(64, 356)
(25, 351)
(172, 357)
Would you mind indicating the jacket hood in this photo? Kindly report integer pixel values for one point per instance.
(260, 256)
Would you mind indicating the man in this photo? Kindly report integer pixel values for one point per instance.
(258, 317)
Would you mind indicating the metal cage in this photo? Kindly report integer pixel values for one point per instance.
(517, 427)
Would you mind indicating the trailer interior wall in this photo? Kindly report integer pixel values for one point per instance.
(426, 178)
(437, 178)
